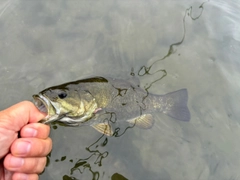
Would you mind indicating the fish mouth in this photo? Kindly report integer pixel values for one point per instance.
(41, 103)
(44, 105)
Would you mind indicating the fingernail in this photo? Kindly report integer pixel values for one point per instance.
(23, 147)
(16, 162)
(31, 132)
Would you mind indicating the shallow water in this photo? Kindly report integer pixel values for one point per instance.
(46, 43)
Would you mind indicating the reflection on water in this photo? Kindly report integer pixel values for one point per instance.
(82, 164)
(90, 163)
(97, 152)
(146, 70)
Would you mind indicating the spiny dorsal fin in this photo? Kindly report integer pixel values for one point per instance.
(103, 128)
(144, 121)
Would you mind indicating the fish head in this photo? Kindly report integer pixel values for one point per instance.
(68, 105)
(58, 103)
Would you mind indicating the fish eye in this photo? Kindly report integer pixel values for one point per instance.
(62, 95)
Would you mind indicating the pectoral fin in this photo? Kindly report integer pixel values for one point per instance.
(144, 121)
(103, 128)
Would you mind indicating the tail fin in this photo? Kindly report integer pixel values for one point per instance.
(176, 105)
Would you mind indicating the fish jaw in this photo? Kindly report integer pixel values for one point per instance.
(41, 103)
(44, 105)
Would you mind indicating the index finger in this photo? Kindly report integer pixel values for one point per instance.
(18, 115)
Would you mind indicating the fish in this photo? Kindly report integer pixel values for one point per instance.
(100, 102)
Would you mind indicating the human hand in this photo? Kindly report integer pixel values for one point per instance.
(25, 157)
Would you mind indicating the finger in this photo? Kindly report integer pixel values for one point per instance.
(37, 130)
(31, 147)
(25, 165)
(18, 115)
(20, 176)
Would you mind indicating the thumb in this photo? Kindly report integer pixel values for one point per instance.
(18, 115)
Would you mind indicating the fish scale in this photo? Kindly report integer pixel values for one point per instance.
(93, 101)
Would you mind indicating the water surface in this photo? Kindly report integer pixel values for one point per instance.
(182, 44)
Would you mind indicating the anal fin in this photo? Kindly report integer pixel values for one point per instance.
(144, 121)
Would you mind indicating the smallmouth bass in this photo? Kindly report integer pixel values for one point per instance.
(93, 101)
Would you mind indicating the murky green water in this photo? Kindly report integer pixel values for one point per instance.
(182, 44)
